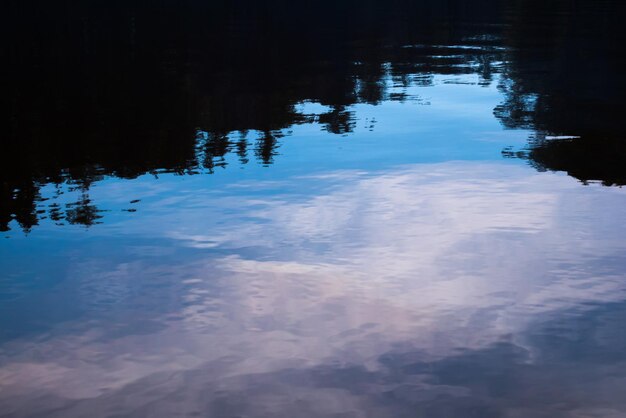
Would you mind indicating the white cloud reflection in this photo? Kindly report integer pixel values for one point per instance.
(428, 262)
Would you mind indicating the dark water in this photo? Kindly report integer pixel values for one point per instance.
(313, 209)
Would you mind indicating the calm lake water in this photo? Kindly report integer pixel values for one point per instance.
(313, 209)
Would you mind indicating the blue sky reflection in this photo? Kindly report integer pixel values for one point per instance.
(380, 277)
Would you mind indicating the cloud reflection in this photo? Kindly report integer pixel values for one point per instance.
(431, 290)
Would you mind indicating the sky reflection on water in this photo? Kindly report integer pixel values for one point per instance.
(431, 287)
(399, 214)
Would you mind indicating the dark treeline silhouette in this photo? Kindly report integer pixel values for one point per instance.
(564, 77)
(123, 88)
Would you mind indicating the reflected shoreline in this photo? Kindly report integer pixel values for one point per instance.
(149, 96)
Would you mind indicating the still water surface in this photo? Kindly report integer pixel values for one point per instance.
(260, 209)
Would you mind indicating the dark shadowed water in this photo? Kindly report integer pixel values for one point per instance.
(302, 209)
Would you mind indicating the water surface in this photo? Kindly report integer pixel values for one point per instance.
(267, 209)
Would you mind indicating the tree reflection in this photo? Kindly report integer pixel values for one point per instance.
(564, 78)
(125, 88)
